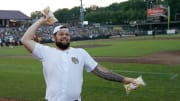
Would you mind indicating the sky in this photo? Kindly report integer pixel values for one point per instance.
(28, 6)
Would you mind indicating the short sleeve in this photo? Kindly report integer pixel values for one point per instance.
(90, 63)
(39, 51)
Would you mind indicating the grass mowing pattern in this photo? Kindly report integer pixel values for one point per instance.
(160, 87)
(21, 77)
(24, 81)
(118, 48)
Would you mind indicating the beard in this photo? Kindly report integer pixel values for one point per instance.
(62, 46)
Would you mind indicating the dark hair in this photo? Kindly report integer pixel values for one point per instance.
(64, 26)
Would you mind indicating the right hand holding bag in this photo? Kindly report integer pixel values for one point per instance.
(47, 12)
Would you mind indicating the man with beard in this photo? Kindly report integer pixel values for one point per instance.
(63, 65)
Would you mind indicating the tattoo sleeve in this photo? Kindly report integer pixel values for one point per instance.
(108, 75)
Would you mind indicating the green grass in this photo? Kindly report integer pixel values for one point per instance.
(24, 81)
(22, 78)
(160, 85)
(114, 48)
(124, 48)
(19, 50)
(136, 48)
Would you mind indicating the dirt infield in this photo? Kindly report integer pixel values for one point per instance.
(168, 57)
(8, 99)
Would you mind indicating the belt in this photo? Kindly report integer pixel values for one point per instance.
(75, 100)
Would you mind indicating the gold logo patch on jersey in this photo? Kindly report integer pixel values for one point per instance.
(75, 60)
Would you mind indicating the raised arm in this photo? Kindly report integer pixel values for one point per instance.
(111, 76)
(27, 39)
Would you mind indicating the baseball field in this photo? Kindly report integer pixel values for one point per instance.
(156, 59)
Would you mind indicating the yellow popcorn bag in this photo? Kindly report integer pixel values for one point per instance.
(49, 13)
(139, 83)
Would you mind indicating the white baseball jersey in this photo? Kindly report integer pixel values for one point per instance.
(63, 71)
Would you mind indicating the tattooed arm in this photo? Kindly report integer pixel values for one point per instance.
(111, 76)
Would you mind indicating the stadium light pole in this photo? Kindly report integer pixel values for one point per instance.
(81, 14)
(169, 16)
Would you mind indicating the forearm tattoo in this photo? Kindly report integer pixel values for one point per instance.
(109, 75)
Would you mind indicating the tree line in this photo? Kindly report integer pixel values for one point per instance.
(116, 13)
